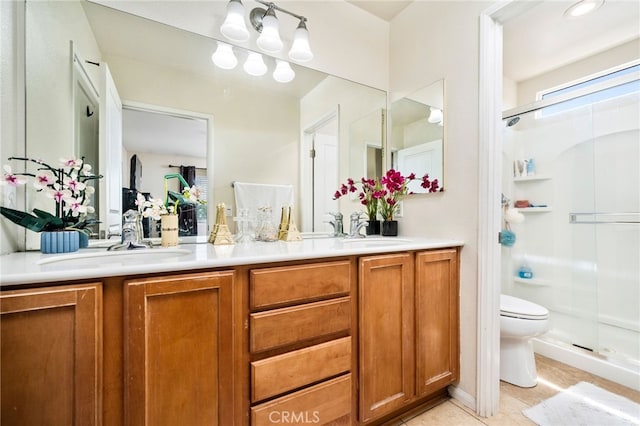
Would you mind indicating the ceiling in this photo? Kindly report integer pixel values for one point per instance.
(386, 10)
(540, 39)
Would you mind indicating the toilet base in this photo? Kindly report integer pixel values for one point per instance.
(517, 363)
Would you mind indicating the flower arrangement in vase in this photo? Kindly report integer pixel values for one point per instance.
(381, 196)
(68, 185)
(370, 194)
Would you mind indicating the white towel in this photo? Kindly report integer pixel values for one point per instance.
(253, 196)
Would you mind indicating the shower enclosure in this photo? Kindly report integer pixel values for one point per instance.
(574, 166)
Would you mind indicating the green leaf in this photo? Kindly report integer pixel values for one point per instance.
(26, 220)
(54, 221)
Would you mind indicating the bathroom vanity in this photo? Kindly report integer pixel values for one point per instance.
(322, 331)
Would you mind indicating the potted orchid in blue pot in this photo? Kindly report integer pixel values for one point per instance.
(70, 187)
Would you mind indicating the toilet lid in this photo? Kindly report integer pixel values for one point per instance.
(518, 308)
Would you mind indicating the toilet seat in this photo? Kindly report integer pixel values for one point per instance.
(518, 308)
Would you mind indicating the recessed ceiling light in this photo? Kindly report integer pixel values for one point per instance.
(582, 7)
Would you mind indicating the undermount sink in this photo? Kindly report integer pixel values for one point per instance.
(103, 256)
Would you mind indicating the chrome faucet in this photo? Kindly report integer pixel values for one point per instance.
(356, 225)
(132, 233)
(338, 225)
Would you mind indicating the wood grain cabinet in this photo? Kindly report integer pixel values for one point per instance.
(300, 343)
(179, 350)
(408, 321)
(50, 355)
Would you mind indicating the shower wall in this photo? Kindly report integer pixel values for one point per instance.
(587, 161)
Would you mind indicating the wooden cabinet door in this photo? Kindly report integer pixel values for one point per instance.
(50, 355)
(386, 339)
(179, 350)
(437, 321)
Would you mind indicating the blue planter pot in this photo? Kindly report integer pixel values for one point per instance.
(59, 242)
(83, 239)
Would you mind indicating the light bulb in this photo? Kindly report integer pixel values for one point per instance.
(269, 39)
(223, 57)
(255, 65)
(234, 27)
(300, 49)
(283, 72)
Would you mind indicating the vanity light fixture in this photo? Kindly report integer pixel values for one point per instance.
(265, 22)
(254, 65)
(234, 27)
(283, 72)
(223, 57)
(582, 7)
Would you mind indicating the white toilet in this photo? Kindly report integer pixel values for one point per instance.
(520, 320)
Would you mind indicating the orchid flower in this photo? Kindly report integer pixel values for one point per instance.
(58, 194)
(12, 179)
(44, 178)
(71, 162)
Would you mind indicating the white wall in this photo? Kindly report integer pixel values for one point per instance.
(431, 41)
(11, 114)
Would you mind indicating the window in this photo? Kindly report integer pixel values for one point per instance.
(595, 96)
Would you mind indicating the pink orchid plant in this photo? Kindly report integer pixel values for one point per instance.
(383, 195)
(394, 187)
(68, 185)
(370, 193)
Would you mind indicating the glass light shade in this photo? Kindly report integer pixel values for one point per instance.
(582, 8)
(234, 27)
(435, 116)
(283, 72)
(255, 65)
(223, 57)
(269, 39)
(300, 49)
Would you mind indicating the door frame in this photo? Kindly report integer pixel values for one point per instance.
(489, 201)
(306, 166)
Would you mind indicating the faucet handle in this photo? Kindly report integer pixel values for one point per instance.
(337, 215)
(357, 215)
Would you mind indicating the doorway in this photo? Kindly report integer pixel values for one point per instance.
(169, 141)
(320, 172)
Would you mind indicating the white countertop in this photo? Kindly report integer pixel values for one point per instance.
(32, 267)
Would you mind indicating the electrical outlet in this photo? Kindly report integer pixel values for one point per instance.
(9, 196)
(227, 211)
(400, 210)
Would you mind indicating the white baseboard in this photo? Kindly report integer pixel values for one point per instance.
(462, 396)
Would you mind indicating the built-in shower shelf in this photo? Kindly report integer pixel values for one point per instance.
(532, 281)
(531, 178)
(534, 209)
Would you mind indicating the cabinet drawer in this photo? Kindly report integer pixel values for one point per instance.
(280, 327)
(282, 373)
(319, 404)
(294, 284)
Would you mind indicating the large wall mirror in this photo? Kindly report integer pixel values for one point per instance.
(416, 141)
(255, 129)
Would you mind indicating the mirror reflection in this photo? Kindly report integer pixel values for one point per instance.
(416, 137)
(257, 131)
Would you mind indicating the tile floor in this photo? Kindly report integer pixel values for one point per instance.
(552, 378)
